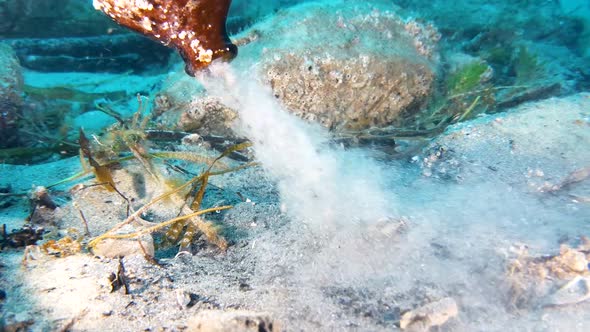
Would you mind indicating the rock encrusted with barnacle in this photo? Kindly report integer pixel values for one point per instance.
(345, 67)
(196, 28)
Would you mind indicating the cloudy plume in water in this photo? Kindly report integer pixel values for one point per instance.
(320, 184)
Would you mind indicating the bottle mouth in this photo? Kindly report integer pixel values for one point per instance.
(231, 53)
(227, 54)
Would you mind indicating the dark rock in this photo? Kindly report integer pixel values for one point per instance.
(46, 19)
(532, 94)
(107, 53)
(11, 85)
(74, 37)
(244, 287)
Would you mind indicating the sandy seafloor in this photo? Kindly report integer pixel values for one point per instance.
(465, 206)
(465, 215)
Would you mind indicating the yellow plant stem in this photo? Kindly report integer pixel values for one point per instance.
(87, 171)
(470, 108)
(152, 229)
(144, 208)
(136, 215)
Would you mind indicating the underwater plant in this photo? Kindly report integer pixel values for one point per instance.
(182, 229)
(127, 140)
(198, 31)
(526, 66)
(466, 78)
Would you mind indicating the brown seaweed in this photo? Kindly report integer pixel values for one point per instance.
(190, 220)
(102, 172)
(25, 236)
(196, 28)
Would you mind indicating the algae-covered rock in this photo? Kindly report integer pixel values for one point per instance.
(11, 85)
(183, 105)
(345, 65)
(208, 116)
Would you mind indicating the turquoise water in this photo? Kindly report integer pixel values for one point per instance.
(402, 152)
(541, 47)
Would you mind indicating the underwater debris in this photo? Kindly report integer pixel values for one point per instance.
(114, 52)
(101, 172)
(40, 198)
(50, 146)
(113, 248)
(575, 291)
(521, 94)
(63, 247)
(433, 314)
(19, 238)
(196, 28)
(546, 280)
(119, 279)
(574, 177)
(42, 207)
(233, 321)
